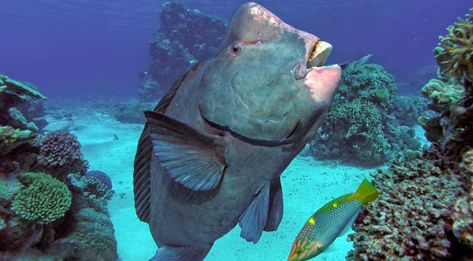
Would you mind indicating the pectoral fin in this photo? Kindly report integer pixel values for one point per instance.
(192, 159)
(253, 219)
(275, 206)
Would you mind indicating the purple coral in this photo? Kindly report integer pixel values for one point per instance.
(101, 176)
(412, 217)
(60, 154)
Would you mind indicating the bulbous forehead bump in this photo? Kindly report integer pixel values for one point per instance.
(277, 27)
(260, 13)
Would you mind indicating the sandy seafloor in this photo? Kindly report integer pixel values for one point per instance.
(307, 184)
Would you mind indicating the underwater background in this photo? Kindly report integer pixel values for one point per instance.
(96, 45)
(75, 77)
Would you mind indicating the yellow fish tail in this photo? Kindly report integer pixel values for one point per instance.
(366, 193)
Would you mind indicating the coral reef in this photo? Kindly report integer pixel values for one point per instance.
(18, 127)
(60, 154)
(42, 212)
(42, 198)
(45, 217)
(454, 108)
(358, 128)
(412, 217)
(92, 233)
(361, 121)
(455, 50)
(451, 95)
(442, 94)
(90, 192)
(425, 209)
(184, 37)
(407, 109)
(100, 176)
(11, 138)
(463, 211)
(367, 81)
(92, 238)
(16, 97)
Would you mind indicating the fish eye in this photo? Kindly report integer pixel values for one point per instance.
(235, 49)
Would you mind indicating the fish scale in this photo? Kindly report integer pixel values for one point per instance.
(330, 221)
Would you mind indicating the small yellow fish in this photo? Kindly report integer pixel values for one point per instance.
(331, 221)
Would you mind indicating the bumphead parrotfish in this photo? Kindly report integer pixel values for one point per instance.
(212, 151)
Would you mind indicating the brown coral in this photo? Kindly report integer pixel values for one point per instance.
(455, 50)
(412, 217)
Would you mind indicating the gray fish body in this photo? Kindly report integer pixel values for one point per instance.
(250, 168)
(213, 150)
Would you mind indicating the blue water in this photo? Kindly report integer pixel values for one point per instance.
(72, 47)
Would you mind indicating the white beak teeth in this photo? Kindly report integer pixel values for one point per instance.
(319, 54)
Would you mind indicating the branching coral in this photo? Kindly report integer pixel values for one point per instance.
(43, 198)
(411, 220)
(60, 154)
(455, 50)
(453, 127)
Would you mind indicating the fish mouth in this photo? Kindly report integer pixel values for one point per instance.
(318, 54)
(315, 57)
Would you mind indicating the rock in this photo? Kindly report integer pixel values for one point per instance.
(185, 36)
(132, 112)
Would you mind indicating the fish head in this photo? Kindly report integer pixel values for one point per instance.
(267, 81)
(304, 250)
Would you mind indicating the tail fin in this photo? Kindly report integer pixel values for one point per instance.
(366, 192)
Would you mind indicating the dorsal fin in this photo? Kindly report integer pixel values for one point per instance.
(141, 182)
